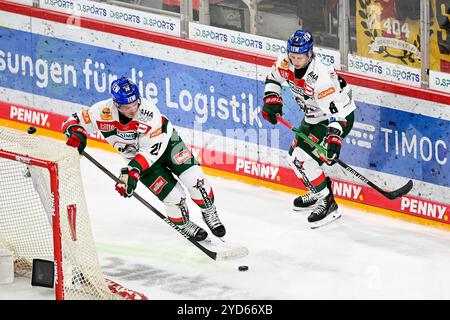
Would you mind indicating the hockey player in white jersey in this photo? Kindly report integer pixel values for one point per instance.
(328, 107)
(154, 152)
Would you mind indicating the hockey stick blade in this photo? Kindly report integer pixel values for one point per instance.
(232, 254)
(399, 192)
(391, 195)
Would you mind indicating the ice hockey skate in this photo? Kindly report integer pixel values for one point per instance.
(212, 220)
(307, 202)
(326, 211)
(194, 231)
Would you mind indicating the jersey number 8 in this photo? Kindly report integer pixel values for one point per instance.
(333, 108)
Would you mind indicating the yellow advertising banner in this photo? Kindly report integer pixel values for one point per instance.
(440, 36)
(386, 30)
(383, 34)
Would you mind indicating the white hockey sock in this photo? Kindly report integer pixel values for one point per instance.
(176, 207)
(309, 171)
(198, 186)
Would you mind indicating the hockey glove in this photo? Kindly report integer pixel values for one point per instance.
(77, 138)
(272, 105)
(129, 178)
(333, 142)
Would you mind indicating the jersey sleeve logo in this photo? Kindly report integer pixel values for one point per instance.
(183, 156)
(86, 117)
(156, 133)
(326, 93)
(284, 73)
(106, 114)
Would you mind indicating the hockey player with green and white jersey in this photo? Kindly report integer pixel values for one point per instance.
(154, 152)
(328, 107)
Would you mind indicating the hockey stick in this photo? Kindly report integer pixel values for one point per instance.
(221, 255)
(388, 194)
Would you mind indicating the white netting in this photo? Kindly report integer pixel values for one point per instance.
(26, 206)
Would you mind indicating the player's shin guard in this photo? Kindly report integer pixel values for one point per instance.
(202, 194)
(177, 212)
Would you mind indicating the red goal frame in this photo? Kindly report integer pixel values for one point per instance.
(52, 167)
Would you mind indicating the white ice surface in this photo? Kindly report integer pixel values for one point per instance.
(360, 256)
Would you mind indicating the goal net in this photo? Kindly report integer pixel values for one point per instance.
(43, 215)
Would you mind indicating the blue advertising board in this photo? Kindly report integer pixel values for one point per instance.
(390, 141)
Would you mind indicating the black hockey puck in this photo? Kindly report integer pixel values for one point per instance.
(243, 268)
(31, 130)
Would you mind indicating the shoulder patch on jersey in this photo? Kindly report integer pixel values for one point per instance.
(284, 64)
(106, 114)
(312, 77)
(284, 73)
(183, 156)
(326, 93)
(145, 115)
(86, 117)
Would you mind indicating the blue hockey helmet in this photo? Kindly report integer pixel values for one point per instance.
(300, 42)
(124, 91)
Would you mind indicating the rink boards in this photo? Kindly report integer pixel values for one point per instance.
(213, 96)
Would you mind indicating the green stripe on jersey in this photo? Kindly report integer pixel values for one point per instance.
(273, 81)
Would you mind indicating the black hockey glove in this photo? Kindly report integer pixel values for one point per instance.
(129, 178)
(333, 142)
(273, 104)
